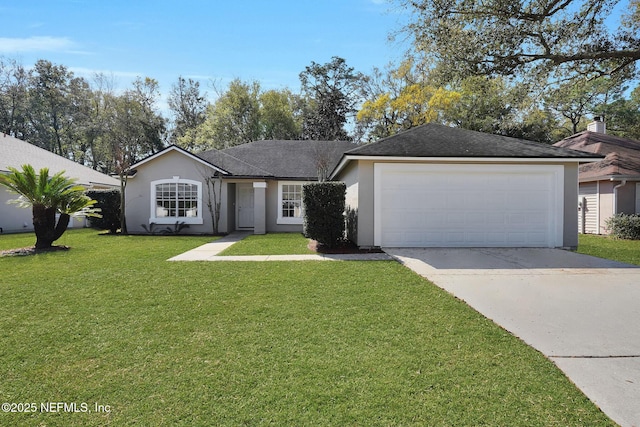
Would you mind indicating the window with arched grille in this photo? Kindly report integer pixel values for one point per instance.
(176, 200)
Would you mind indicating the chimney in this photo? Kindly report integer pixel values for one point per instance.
(597, 125)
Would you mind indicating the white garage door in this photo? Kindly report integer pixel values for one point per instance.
(468, 205)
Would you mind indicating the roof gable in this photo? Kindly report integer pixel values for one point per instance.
(15, 152)
(435, 140)
(181, 151)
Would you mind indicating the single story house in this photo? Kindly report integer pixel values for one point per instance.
(432, 185)
(439, 186)
(15, 153)
(258, 186)
(610, 185)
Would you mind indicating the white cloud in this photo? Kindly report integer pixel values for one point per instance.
(35, 44)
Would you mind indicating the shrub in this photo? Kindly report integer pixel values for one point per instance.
(623, 226)
(324, 211)
(109, 203)
(352, 224)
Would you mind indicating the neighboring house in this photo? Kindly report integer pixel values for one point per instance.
(609, 186)
(15, 153)
(448, 187)
(429, 186)
(258, 185)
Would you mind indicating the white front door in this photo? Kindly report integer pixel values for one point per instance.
(245, 205)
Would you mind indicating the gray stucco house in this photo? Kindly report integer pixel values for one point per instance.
(439, 186)
(432, 185)
(15, 153)
(259, 185)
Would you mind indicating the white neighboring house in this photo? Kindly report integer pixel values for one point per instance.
(15, 153)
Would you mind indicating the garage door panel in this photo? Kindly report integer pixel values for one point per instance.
(469, 205)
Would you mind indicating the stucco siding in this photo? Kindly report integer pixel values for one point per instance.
(359, 178)
(173, 163)
(366, 186)
(349, 177)
(272, 212)
(570, 229)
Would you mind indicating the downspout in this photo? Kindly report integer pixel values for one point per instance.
(615, 195)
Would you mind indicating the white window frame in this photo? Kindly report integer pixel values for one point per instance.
(290, 220)
(173, 219)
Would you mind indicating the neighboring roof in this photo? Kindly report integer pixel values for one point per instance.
(15, 153)
(287, 159)
(179, 150)
(435, 140)
(622, 155)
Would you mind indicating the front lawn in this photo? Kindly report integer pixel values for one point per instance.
(607, 247)
(270, 244)
(110, 322)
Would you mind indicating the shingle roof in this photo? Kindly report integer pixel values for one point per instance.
(435, 140)
(15, 153)
(278, 158)
(622, 154)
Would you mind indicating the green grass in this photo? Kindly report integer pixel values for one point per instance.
(270, 244)
(607, 247)
(278, 343)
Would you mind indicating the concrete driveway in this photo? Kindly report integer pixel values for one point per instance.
(582, 312)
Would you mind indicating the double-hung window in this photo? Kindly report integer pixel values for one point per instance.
(176, 200)
(290, 208)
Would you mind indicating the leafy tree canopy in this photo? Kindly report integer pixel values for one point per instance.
(401, 99)
(332, 92)
(543, 37)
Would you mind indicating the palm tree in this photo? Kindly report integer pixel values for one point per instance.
(48, 196)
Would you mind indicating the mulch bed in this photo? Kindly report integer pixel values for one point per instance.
(344, 247)
(31, 250)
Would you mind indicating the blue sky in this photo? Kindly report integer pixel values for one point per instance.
(268, 41)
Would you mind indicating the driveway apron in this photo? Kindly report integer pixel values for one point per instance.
(582, 312)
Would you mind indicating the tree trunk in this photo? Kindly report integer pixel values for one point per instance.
(45, 227)
(43, 224)
(61, 227)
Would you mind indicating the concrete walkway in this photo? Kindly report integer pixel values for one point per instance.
(582, 312)
(210, 251)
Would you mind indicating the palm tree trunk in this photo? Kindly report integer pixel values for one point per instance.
(44, 220)
(45, 227)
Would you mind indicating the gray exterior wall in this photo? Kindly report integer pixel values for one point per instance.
(359, 178)
(230, 206)
(166, 166)
(272, 208)
(570, 229)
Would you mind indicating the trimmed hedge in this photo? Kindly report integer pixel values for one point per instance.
(623, 226)
(324, 211)
(109, 203)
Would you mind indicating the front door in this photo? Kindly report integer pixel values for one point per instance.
(245, 205)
